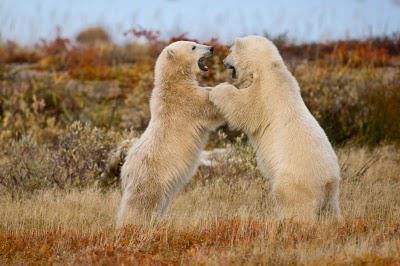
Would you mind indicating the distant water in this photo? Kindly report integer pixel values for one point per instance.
(29, 20)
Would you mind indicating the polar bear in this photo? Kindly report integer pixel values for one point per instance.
(167, 154)
(292, 150)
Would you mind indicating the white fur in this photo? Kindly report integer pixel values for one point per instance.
(292, 149)
(168, 153)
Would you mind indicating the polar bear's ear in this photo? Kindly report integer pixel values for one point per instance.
(239, 43)
(171, 54)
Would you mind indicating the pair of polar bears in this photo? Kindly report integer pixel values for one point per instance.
(292, 150)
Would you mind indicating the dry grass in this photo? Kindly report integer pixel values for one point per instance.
(217, 219)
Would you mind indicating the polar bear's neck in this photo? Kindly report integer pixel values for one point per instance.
(244, 82)
(168, 79)
(167, 74)
(168, 94)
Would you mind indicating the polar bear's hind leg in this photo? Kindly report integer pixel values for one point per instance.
(332, 199)
(296, 201)
(141, 205)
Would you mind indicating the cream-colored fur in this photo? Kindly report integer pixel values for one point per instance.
(168, 153)
(292, 149)
(208, 158)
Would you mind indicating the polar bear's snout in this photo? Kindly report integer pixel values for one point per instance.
(207, 50)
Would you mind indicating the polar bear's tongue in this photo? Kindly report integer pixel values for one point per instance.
(202, 64)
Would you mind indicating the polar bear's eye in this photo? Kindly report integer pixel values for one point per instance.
(194, 47)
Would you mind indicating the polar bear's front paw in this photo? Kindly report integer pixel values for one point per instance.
(223, 86)
(221, 93)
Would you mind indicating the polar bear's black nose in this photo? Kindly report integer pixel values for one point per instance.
(212, 49)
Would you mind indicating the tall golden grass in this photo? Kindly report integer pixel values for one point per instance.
(220, 218)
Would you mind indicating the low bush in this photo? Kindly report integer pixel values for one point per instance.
(77, 159)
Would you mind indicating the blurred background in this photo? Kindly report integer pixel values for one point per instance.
(302, 21)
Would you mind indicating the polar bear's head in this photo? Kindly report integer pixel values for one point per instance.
(183, 57)
(249, 55)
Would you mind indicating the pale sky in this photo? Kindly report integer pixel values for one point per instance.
(26, 21)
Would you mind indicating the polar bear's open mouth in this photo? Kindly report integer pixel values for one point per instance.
(202, 63)
(233, 69)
